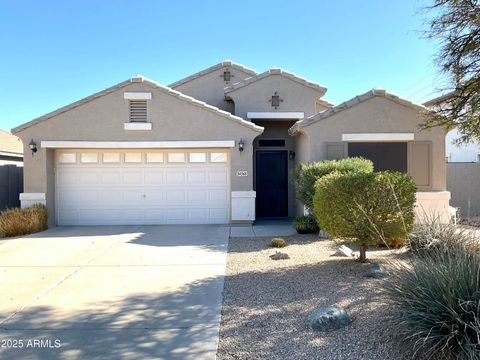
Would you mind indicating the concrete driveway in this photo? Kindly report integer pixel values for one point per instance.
(122, 292)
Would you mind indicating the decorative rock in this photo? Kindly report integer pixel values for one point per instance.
(344, 251)
(375, 271)
(328, 318)
(279, 256)
(323, 234)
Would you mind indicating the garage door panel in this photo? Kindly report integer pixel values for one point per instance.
(113, 197)
(154, 177)
(196, 177)
(133, 197)
(217, 177)
(142, 192)
(218, 214)
(66, 177)
(198, 215)
(175, 214)
(132, 177)
(197, 195)
(72, 199)
(175, 177)
(154, 196)
(174, 195)
(217, 195)
(155, 215)
(109, 177)
(88, 177)
(68, 216)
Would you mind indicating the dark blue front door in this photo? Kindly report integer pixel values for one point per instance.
(272, 183)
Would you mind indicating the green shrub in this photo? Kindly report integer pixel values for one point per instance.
(306, 224)
(369, 208)
(305, 177)
(439, 301)
(278, 242)
(17, 222)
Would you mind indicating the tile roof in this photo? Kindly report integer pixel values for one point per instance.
(352, 102)
(154, 84)
(224, 63)
(276, 71)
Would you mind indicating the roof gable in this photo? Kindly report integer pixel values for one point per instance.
(225, 63)
(276, 71)
(352, 102)
(151, 83)
(10, 143)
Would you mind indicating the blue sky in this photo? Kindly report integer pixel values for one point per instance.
(56, 52)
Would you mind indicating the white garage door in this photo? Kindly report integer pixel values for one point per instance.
(97, 187)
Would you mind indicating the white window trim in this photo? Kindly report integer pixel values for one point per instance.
(137, 144)
(372, 137)
(137, 126)
(137, 95)
(276, 115)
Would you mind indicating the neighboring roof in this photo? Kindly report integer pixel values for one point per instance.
(352, 102)
(154, 84)
(325, 103)
(224, 63)
(439, 99)
(10, 144)
(276, 71)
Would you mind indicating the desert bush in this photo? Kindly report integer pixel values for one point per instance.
(369, 208)
(432, 233)
(307, 174)
(306, 224)
(16, 221)
(438, 298)
(278, 242)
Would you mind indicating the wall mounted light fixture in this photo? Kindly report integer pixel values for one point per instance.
(291, 155)
(33, 146)
(241, 145)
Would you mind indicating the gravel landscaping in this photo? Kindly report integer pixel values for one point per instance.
(267, 302)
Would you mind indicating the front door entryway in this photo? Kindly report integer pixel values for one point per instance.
(272, 183)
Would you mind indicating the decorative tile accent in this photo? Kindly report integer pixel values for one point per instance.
(275, 100)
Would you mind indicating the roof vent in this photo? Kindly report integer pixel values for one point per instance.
(138, 110)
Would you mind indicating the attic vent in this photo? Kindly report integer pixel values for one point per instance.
(138, 110)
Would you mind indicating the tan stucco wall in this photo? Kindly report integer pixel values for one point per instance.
(209, 87)
(255, 96)
(279, 130)
(103, 119)
(376, 115)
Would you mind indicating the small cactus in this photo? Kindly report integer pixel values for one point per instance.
(278, 242)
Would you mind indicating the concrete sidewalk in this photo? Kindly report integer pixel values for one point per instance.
(262, 228)
(122, 292)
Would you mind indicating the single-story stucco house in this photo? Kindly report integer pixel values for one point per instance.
(215, 147)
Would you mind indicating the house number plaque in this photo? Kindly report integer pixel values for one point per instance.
(242, 173)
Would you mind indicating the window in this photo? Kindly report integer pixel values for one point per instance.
(154, 157)
(176, 157)
(111, 158)
(68, 158)
(87, 158)
(218, 157)
(197, 157)
(138, 110)
(271, 143)
(133, 157)
(384, 155)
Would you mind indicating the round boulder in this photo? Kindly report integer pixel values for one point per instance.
(375, 271)
(328, 318)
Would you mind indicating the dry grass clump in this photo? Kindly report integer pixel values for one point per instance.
(17, 222)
